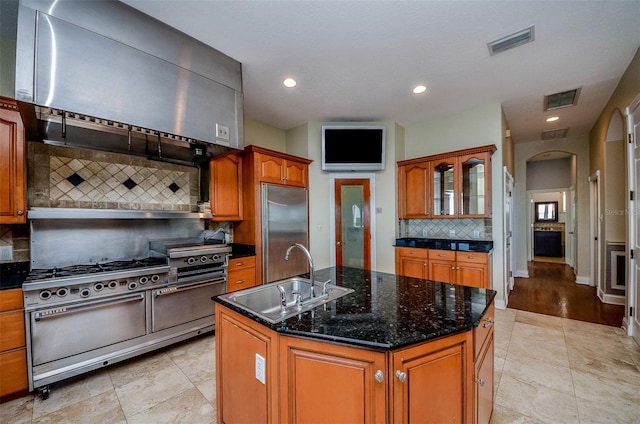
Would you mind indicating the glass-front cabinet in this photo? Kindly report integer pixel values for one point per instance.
(459, 185)
(444, 187)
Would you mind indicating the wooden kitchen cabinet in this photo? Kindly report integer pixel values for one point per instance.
(240, 346)
(241, 273)
(279, 168)
(13, 353)
(325, 383)
(414, 191)
(474, 269)
(431, 382)
(442, 265)
(226, 188)
(483, 368)
(12, 164)
(412, 262)
(448, 185)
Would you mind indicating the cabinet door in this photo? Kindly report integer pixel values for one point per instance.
(325, 383)
(241, 279)
(484, 384)
(412, 262)
(445, 198)
(239, 347)
(444, 271)
(12, 166)
(271, 169)
(12, 330)
(414, 193)
(295, 173)
(475, 200)
(13, 372)
(431, 382)
(226, 188)
(471, 274)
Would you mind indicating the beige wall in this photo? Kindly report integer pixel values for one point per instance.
(264, 135)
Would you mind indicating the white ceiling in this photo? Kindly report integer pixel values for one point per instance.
(359, 60)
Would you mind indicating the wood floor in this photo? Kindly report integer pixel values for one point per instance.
(551, 290)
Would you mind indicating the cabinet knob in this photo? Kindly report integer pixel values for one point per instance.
(20, 212)
(402, 376)
(489, 323)
(480, 381)
(379, 376)
(339, 243)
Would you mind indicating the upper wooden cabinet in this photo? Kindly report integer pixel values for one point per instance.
(449, 185)
(415, 179)
(226, 188)
(280, 168)
(12, 165)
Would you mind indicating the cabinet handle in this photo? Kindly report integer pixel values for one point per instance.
(413, 253)
(480, 381)
(489, 323)
(240, 281)
(471, 257)
(20, 212)
(402, 376)
(379, 376)
(240, 264)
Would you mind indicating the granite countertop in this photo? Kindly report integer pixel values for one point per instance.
(386, 311)
(446, 244)
(239, 250)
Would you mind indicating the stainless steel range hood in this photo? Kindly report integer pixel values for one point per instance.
(103, 75)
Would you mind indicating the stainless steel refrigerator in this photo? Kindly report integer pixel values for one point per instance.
(285, 220)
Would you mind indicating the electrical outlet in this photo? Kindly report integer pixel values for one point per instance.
(476, 234)
(452, 233)
(222, 132)
(6, 253)
(425, 232)
(261, 369)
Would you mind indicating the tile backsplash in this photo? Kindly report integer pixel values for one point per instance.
(462, 229)
(14, 243)
(77, 178)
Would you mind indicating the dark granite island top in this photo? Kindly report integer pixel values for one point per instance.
(386, 311)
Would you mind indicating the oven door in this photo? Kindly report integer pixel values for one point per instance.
(69, 330)
(173, 306)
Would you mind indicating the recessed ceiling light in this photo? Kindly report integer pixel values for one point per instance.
(552, 119)
(419, 89)
(289, 82)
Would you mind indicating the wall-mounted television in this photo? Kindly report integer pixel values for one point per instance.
(353, 147)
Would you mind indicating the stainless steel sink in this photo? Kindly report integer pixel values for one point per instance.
(266, 301)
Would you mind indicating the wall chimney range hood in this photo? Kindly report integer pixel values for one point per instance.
(105, 76)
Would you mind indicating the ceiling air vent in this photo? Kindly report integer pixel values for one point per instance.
(510, 41)
(560, 100)
(555, 134)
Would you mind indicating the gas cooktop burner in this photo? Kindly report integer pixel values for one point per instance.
(73, 270)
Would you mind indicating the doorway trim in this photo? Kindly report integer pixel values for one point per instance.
(595, 228)
(372, 207)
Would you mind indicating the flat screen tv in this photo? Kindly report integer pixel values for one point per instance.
(353, 148)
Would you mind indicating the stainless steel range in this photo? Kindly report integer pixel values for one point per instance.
(83, 317)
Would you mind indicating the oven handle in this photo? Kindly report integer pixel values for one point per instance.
(171, 290)
(64, 310)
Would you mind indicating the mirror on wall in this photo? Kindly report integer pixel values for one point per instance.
(546, 211)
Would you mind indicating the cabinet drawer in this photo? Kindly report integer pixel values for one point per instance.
(472, 257)
(445, 255)
(242, 263)
(482, 331)
(10, 300)
(13, 372)
(11, 330)
(241, 279)
(413, 252)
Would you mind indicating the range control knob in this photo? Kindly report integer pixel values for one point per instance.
(85, 292)
(98, 287)
(144, 279)
(45, 294)
(62, 292)
(191, 260)
(133, 285)
(112, 284)
(203, 259)
(155, 278)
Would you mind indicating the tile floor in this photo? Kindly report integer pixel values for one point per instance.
(547, 370)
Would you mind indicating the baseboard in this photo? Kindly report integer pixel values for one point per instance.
(500, 304)
(522, 273)
(583, 280)
(611, 299)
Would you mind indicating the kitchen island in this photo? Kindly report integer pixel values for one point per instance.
(397, 349)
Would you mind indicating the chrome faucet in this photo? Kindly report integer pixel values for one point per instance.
(283, 298)
(308, 255)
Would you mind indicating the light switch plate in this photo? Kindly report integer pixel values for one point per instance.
(222, 132)
(260, 369)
